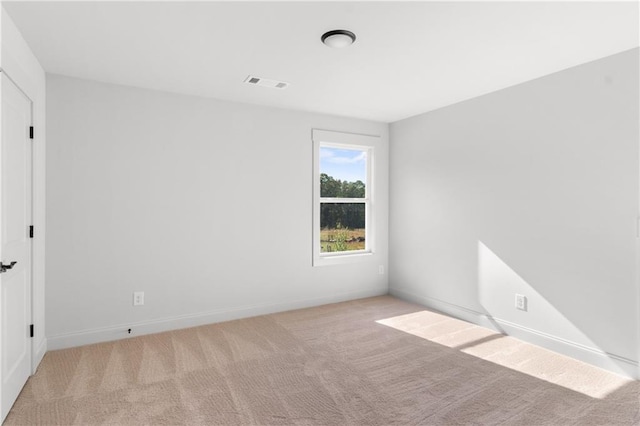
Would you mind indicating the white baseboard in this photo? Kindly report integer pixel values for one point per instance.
(38, 355)
(116, 332)
(591, 355)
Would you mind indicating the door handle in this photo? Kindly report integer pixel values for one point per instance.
(5, 268)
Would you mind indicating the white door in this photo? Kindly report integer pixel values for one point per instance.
(15, 245)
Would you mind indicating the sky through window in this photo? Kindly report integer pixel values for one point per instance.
(343, 164)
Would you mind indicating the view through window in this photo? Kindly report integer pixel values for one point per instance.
(343, 199)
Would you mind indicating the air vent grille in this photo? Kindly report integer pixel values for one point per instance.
(265, 82)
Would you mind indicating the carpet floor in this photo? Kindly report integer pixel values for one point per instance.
(375, 361)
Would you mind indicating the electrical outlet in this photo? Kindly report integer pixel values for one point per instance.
(138, 298)
(381, 269)
(521, 302)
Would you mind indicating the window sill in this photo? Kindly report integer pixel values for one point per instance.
(341, 259)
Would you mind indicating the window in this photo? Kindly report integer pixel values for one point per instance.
(343, 196)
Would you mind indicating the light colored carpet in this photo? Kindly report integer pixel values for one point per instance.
(376, 361)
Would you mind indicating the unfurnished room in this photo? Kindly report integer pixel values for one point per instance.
(320, 213)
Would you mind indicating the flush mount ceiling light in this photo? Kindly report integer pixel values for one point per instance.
(338, 38)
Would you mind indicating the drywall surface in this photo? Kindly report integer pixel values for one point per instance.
(530, 190)
(204, 205)
(20, 64)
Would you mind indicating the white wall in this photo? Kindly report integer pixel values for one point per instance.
(532, 190)
(17, 60)
(204, 205)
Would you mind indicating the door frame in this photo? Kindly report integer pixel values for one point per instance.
(30, 219)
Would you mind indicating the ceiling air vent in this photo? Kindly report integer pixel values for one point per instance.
(265, 82)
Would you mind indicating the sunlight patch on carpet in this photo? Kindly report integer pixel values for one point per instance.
(508, 352)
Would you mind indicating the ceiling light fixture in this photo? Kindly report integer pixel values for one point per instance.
(338, 38)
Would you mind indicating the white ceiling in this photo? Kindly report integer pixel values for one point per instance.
(409, 57)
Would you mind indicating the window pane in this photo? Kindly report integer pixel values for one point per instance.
(342, 227)
(343, 172)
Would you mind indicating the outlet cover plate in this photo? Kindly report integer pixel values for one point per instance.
(521, 302)
(138, 298)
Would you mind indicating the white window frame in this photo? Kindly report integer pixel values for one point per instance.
(367, 143)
